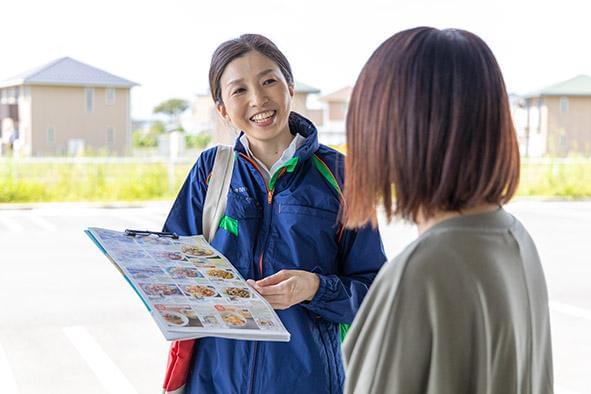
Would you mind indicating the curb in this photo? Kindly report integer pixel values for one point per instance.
(168, 203)
(85, 205)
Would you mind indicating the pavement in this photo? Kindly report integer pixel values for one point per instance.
(69, 323)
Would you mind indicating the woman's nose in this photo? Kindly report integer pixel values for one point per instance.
(258, 98)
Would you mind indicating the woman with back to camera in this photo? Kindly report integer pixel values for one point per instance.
(464, 308)
(280, 230)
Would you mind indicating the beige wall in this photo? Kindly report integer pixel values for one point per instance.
(299, 105)
(24, 113)
(316, 116)
(569, 131)
(336, 111)
(207, 120)
(64, 109)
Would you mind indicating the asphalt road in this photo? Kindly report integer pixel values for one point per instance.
(69, 323)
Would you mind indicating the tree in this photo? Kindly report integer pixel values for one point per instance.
(148, 139)
(172, 108)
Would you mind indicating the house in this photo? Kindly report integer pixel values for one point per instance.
(65, 107)
(300, 103)
(205, 119)
(335, 115)
(557, 119)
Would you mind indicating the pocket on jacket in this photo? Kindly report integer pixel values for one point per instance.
(309, 211)
(304, 237)
(238, 230)
(240, 206)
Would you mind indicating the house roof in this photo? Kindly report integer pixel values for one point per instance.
(303, 88)
(342, 95)
(577, 86)
(68, 72)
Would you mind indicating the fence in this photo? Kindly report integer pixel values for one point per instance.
(112, 179)
(90, 179)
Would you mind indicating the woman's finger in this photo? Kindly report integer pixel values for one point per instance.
(274, 279)
(281, 288)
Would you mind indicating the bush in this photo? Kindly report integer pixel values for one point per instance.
(88, 181)
(141, 139)
(199, 141)
(112, 180)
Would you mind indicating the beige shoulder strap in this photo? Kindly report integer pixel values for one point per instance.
(216, 197)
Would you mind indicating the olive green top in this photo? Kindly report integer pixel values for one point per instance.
(463, 309)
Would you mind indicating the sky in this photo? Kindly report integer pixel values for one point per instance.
(166, 46)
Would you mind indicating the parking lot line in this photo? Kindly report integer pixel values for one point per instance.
(43, 223)
(12, 225)
(7, 382)
(108, 374)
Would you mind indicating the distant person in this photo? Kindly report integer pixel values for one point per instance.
(464, 308)
(280, 230)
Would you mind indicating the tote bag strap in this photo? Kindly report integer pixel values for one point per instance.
(216, 197)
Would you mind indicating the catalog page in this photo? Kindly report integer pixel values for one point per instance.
(190, 288)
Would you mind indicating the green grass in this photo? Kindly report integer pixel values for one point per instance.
(36, 182)
(562, 178)
(120, 180)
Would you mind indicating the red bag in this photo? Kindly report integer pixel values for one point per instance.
(177, 368)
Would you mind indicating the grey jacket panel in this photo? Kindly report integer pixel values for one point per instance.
(463, 309)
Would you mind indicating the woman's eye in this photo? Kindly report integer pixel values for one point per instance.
(238, 91)
(269, 81)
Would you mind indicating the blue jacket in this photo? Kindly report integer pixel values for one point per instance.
(292, 224)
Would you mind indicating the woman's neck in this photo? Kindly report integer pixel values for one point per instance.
(269, 151)
(423, 224)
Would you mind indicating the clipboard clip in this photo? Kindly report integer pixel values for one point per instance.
(164, 234)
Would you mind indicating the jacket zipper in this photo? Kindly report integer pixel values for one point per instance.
(269, 202)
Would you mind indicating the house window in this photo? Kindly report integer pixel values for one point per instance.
(562, 142)
(89, 96)
(564, 104)
(51, 136)
(110, 137)
(110, 96)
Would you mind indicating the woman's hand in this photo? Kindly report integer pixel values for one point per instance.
(287, 287)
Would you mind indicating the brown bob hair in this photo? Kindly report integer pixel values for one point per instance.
(428, 126)
(238, 47)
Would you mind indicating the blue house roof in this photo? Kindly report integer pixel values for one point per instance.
(68, 72)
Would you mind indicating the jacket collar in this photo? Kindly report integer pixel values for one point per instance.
(297, 124)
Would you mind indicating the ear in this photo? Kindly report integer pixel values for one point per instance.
(291, 89)
(221, 108)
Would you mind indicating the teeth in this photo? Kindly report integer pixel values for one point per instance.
(263, 116)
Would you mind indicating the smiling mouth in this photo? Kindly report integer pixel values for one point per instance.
(263, 118)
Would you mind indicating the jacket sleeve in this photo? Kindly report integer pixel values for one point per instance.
(361, 255)
(185, 215)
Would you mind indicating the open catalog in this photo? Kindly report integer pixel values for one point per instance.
(190, 289)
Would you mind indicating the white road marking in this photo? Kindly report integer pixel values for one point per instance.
(110, 376)
(562, 390)
(7, 382)
(11, 224)
(43, 223)
(570, 310)
(143, 223)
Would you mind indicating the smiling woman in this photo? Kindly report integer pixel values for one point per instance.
(253, 92)
(257, 99)
(285, 238)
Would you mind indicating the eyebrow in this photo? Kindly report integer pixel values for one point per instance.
(234, 81)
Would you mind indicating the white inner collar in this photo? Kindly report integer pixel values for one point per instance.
(285, 156)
